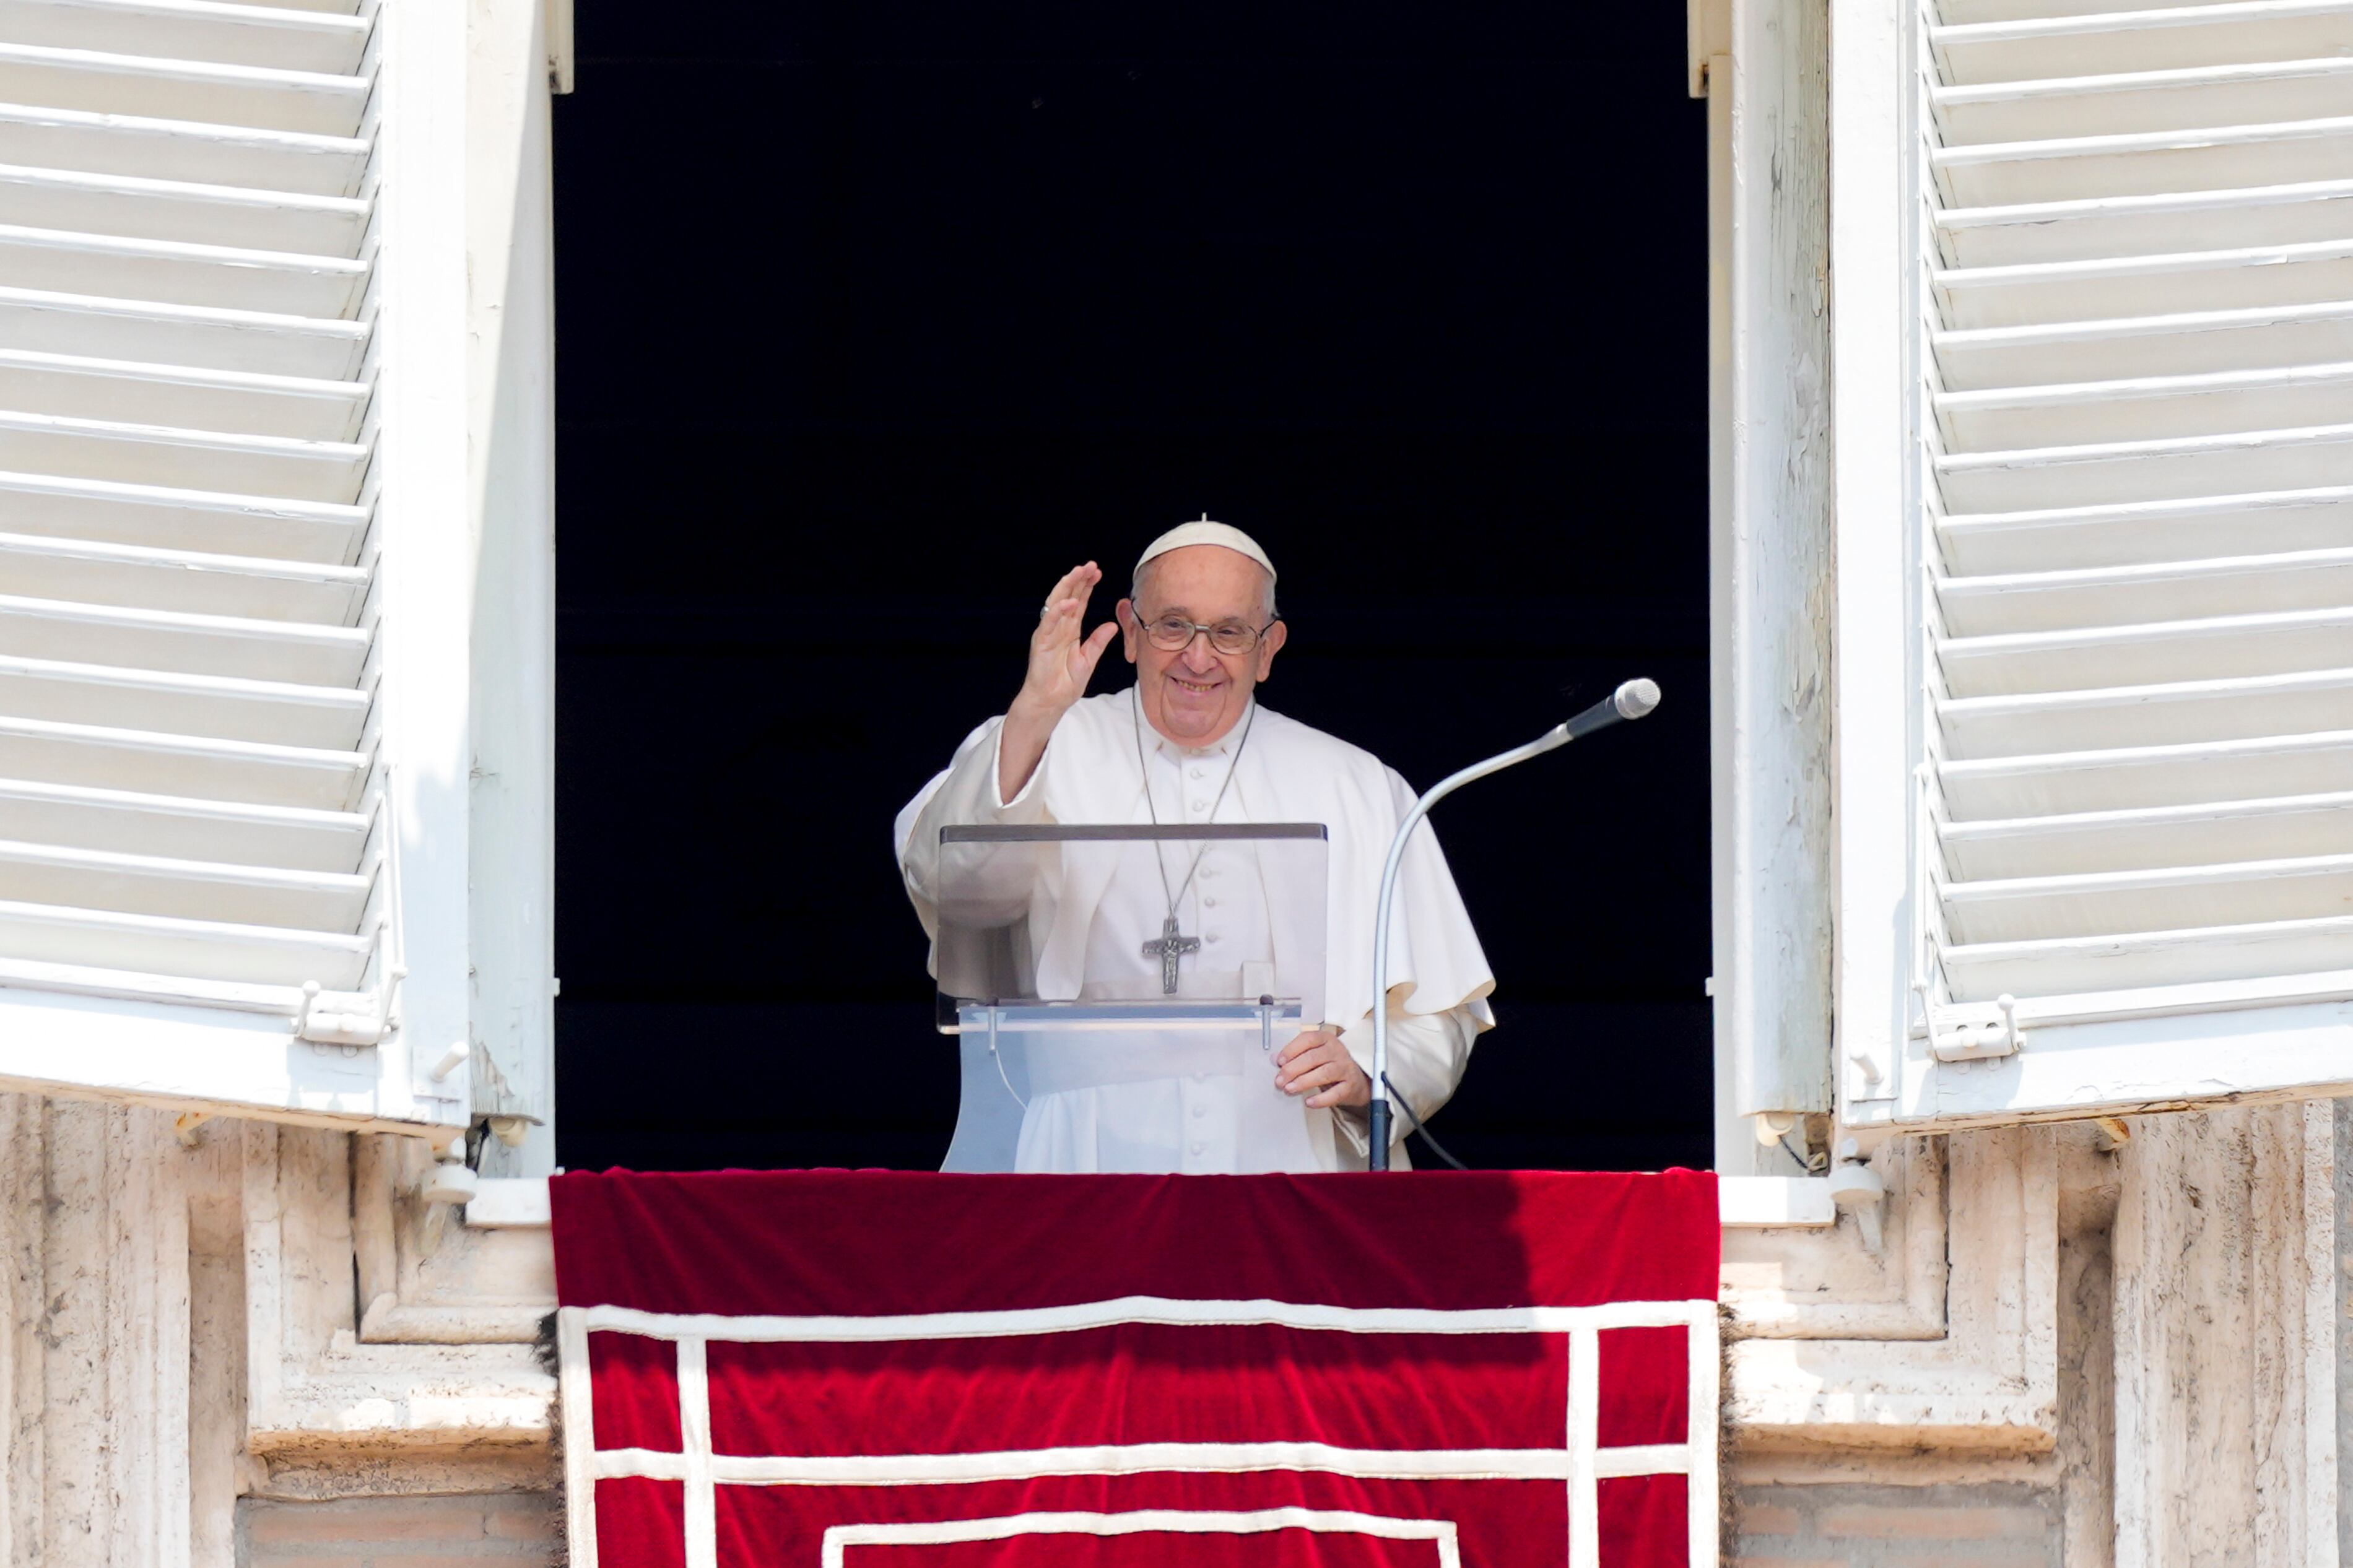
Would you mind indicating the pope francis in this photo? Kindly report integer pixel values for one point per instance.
(1191, 743)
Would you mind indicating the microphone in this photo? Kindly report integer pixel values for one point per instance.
(1634, 700)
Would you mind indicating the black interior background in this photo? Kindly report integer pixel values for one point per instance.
(873, 317)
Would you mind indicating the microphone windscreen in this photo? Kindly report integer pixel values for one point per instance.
(1637, 697)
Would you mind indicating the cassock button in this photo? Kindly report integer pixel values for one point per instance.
(1198, 807)
(1209, 903)
(1199, 1111)
(1197, 1146)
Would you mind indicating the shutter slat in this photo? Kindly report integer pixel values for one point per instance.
(165, 946)
(2073, 538)
(2208, 833)
(102, 81)
(174, 519)
(2278, 643)
(2030, 233)
(2180, 713)
(2168, 897)
(2124, 595)
(192, 30)
(40, 751)
(176, 272)
(229, 215)
(302, 408)
(271, 712)
(199, 337)
(2149, 163)
(212, 461)
(2172, 469)
(183, 890)
(2105, 287)
(2089, 413)
(2123, 103)
(132, 577)
(2279, 951)
(196, 645)
(169, 827)
(2114, 42)
(2193, 342)
(141, 145)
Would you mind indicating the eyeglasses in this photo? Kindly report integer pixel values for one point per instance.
(1175, 633)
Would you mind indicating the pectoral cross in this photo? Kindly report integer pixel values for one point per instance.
(1167, 948)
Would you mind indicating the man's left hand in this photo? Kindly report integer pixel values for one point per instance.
(1319, 1067)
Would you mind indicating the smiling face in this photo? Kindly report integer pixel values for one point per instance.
(1196, 695)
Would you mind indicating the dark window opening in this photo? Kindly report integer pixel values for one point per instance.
(875, 318)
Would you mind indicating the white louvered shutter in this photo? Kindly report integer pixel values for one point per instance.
(206, 783)
(2131, 291)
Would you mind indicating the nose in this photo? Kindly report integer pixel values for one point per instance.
(1199, 656)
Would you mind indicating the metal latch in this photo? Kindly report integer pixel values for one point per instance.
(1960, 1037)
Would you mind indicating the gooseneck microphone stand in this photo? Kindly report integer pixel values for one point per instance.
(1631, 701)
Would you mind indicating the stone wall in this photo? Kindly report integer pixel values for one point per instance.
(509, 1529)
(1999, 1525)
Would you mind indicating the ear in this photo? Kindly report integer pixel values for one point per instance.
(1129, 627)
(1269, 645)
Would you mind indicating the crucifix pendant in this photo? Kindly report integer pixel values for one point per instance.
(1167, 948)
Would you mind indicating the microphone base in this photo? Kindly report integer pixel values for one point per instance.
(1376, 1155)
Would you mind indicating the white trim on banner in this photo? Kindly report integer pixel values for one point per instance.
(1439, 1532)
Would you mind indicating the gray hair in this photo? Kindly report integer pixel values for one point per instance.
(1267, 612)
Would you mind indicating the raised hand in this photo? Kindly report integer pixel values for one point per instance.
(1061, 662)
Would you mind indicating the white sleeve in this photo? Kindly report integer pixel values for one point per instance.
(1428, 1053)
(964, 794)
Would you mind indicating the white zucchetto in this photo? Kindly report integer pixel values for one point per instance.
(1206, 533)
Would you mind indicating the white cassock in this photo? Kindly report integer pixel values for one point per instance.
(1286, 772)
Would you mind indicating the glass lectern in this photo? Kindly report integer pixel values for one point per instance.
(1119, 992)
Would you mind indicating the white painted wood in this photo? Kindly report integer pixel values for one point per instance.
(168, 703)
(193, 644)
(131, 575)
(511, 476)
(103, 81)
(2163, 590)
(1873, 382)
(2196, 528)
(77, 878)
(2156, 224)
(179, 273)
(241, 35)
(2105, 287)
(2151, 408)
(2202, 833)
(212, 460)
(142, 146)
(2174, 468)
(2168, 38)
(2120, 104)
(2217, 734)
(303, 408)
(2145, 163)
(2278, 643)
(264, 343)
(127, 822)
(1769, 565)
(43, 750)
(163, 946)
(2132, 715)
(136, 209)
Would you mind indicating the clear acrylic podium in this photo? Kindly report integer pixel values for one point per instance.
(1085, 1008)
